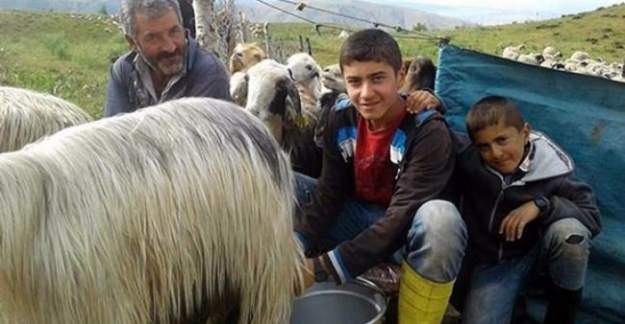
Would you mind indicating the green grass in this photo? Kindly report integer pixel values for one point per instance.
(70, 55)
(62, 54)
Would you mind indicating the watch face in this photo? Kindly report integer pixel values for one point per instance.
(540, 203)
(321, 276)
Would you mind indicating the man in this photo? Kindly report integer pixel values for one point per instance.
(384, 186)
(164, 63)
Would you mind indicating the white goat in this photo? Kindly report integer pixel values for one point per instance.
(273, 97)
(26, 116)
(177, 213)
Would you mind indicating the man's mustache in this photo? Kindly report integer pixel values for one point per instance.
(165, 55)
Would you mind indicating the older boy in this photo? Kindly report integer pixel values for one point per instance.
(523, 211)
(384, 176)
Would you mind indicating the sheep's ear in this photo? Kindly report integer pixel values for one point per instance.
(293, 107)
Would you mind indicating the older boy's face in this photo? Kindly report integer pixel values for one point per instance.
(502, 147)
(373, 89)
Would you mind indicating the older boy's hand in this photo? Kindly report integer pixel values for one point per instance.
(420, 100)
(513, 224)
(309, 274)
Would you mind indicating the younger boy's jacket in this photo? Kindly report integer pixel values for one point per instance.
(488, 199)
(422, 153)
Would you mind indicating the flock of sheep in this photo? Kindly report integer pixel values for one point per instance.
(579, 62)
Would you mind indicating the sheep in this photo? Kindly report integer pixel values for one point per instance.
(580, 56)
(26, 116)
(332, 78)
(306, 72)
(244, 56)
(420, 75)
(273, 97)
(513, 52)
(238, 88)
(180, 212)
(343, 34)
(531, 58)
(551, 53)
(316, 100)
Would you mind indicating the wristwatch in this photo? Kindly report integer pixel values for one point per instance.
(542, 203)
(321, 274)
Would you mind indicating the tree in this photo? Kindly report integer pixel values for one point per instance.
(420, 27)
(103, 10)
(215, 26)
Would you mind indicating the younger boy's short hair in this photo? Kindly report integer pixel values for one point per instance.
(371, 45)
(489, 111)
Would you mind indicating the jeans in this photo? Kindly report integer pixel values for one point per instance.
(436, 240)
(493, 290)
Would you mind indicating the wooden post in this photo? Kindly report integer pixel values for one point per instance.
(309, 46)
(267, 40)
(244, 27)
(301, 43)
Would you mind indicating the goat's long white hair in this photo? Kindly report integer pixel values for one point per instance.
(26, 116)
(142, 217)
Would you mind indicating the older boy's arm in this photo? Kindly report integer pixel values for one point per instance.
(428, 170)
(574, 199)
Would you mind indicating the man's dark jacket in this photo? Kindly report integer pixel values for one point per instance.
(205, 76)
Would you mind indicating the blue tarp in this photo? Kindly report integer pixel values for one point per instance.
(586, 116)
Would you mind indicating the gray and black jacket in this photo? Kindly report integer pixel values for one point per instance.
(422, 153)
(205, 76)
(487, 198)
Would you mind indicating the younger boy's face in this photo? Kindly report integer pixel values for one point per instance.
(373, 89)
(502, 147)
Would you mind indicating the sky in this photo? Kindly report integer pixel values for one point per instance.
(501, 11)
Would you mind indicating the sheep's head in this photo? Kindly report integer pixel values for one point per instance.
(273, 97)
(244, 56)
(332, 78)
(419, 75)
(303, 68)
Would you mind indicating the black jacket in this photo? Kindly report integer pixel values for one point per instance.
(487, 199)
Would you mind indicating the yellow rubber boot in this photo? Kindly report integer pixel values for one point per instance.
(420, 300)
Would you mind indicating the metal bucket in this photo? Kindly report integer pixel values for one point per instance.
(355, 302)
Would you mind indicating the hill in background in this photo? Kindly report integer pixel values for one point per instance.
(405, 17)
(69, 55)
(392, 15)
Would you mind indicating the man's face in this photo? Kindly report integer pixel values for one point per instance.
(373, 89)
(161, 41)
(502, 147)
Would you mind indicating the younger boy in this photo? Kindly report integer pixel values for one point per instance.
(384, 176)
(522, 209)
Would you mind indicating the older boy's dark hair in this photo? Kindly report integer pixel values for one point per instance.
(489, 111)
(371, 45)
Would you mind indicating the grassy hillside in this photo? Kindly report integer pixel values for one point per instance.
(62, 54)
(69, 55)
